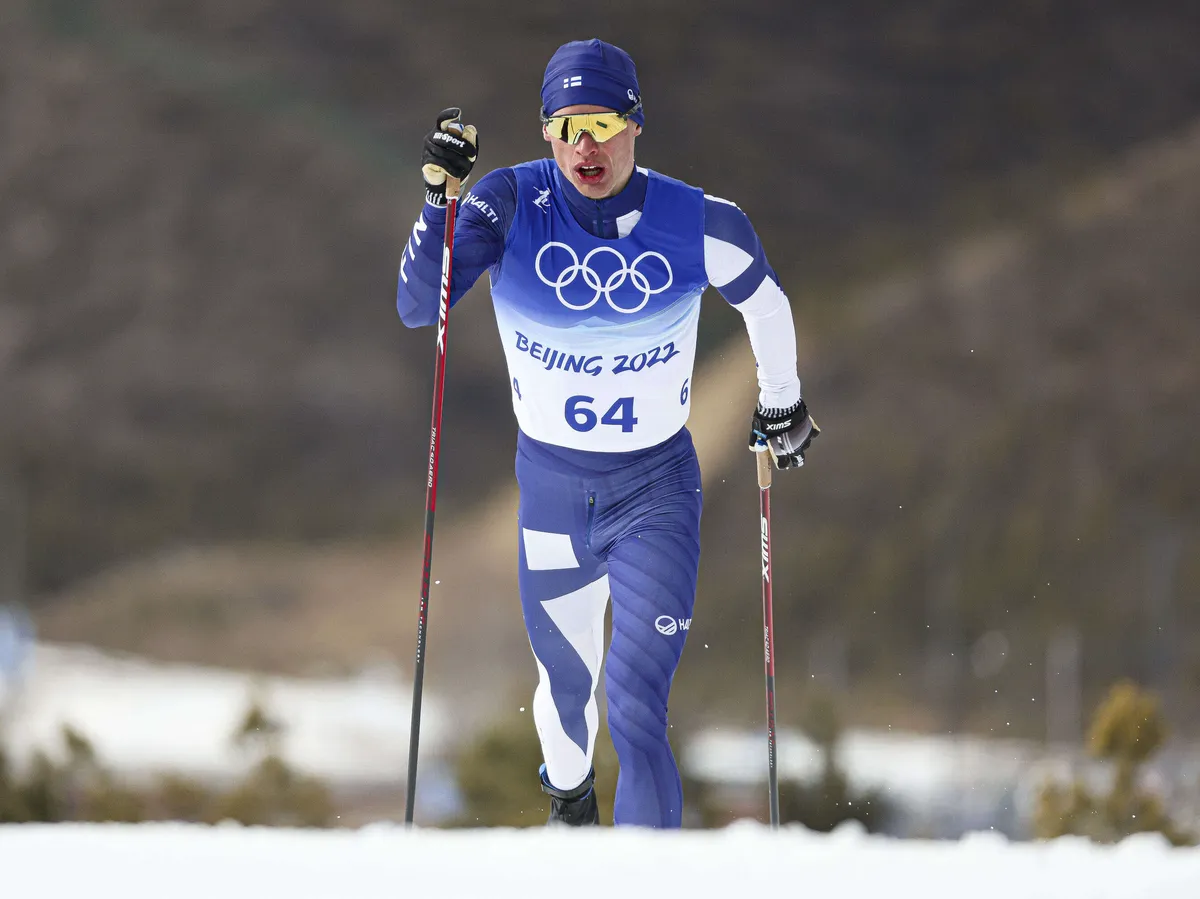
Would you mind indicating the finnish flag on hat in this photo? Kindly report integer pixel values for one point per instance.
(591, 73)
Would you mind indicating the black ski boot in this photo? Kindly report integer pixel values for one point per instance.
(574, 808)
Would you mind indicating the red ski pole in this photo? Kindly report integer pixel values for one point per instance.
(763, 455)
(453, 186)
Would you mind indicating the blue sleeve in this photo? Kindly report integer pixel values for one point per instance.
(480, 230)
(734, 256)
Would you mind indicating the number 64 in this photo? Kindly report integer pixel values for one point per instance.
(580, 416)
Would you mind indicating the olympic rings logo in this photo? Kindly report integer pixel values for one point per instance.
(606, 287)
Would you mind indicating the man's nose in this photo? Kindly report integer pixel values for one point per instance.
(586, 145)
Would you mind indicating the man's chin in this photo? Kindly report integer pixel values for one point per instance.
(594, 190)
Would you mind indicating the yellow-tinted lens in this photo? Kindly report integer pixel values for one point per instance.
(600, 125)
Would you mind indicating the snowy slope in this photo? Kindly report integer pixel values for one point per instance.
(144, 717)
(191, 862)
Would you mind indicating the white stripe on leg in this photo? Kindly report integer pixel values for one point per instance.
(566, 763)
(547, 551)
(579, 616)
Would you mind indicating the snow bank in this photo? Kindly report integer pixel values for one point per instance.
(195, 862)
(145, 717)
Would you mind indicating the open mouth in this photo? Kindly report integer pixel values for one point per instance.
(589, 174)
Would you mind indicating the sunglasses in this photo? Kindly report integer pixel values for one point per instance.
(601, 126)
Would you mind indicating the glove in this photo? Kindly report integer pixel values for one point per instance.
(449, 151)
(785, 432)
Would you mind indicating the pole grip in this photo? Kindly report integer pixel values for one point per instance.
(764, 468)
(453, 187)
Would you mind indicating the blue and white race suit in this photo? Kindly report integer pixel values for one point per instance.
(597, 304)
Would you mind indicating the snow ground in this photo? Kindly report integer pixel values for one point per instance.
(196, 862)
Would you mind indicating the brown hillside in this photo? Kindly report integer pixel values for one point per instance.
(1009, 446)
(202, 205)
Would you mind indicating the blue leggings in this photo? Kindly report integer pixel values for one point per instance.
(591, 524)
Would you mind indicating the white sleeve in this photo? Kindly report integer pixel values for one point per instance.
(737, 267)
(768, 317)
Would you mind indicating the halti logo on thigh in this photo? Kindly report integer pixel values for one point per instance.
(666, 625)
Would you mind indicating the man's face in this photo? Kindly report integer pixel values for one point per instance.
(597, 170)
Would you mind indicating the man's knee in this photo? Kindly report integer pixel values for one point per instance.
(638, 721)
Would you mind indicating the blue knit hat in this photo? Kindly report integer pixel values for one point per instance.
(593, 73)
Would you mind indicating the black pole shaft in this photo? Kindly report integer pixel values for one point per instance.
(435, 444)
(764, 513)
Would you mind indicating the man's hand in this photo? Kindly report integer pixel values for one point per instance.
(786, 432)
(449, 151)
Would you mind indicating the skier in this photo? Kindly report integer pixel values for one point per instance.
(597, 267)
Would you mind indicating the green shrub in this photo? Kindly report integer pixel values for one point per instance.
(825, 803)
(273, 794)
(258, 730)
(829, 801)
(497, 775)
(178, 798)
(1126, 731)
(12, 799)
(82, 789)
(104, 799)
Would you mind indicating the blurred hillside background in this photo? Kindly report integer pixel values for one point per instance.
(213, 425)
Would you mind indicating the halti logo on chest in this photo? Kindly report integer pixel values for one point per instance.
(649, 265)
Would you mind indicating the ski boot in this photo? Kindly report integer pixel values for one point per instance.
(573, 808)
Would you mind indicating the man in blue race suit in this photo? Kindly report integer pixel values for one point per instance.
(596, 267)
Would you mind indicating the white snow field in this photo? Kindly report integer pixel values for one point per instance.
(144, 716)
(744, 860)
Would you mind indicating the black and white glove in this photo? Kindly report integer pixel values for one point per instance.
(449, 151)
(786, 433)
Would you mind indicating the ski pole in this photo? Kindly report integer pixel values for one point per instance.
(435, 444)
(763, 455)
